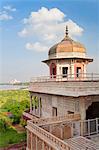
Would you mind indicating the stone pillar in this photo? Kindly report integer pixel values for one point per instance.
(71, 130)
(62, 131)
(31, 140)
(50, 128)
(83, 114)
(72, 70)
(36, 144)
(34, 110)
(39, 108)
(31, 104)
(43, 145)
(84, 68)
(82, 108)
(27, 139)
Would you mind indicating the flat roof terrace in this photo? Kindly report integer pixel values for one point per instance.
(82, 143)
(70, 86)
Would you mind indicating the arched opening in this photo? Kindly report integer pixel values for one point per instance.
(53, 70)
(93, 111)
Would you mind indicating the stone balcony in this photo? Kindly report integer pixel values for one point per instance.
(36, 130)
(49, 133)
(86, 84)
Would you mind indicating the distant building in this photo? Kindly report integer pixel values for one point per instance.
(64, 107)
(15, 81)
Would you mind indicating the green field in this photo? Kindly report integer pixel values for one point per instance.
(18, 95)
(12, 104)
(11, 136)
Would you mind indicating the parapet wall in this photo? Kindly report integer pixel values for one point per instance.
(66, 88)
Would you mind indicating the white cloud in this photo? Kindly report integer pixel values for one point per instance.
(5, 16)
(9, 8)
(36, 46)
(75, 29)
(48, 26)
(45, 15)
(5, 13)
(23, 33)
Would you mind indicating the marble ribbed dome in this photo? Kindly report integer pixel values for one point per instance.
(67, 45)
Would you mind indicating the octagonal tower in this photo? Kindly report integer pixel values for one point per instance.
(67, 59)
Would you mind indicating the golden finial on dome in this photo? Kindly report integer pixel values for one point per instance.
(66, 31)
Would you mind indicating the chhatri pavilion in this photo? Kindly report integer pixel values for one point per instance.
(67, 58)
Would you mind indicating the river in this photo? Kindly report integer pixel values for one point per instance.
(12, 87)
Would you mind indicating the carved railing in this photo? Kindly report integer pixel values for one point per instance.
(67, 77)
(90, 127)
(29, 116)
(47, 137)
(68, 117)
(86, 127)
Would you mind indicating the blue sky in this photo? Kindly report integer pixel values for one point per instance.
(28, 28)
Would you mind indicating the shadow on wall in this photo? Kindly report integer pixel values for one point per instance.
(93, 111)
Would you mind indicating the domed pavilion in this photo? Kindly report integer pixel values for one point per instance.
(67, 59)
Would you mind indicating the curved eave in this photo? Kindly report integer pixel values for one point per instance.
(85, 59)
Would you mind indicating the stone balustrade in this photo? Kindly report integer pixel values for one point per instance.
(69, 77)
(69, 117)
(47, 137)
